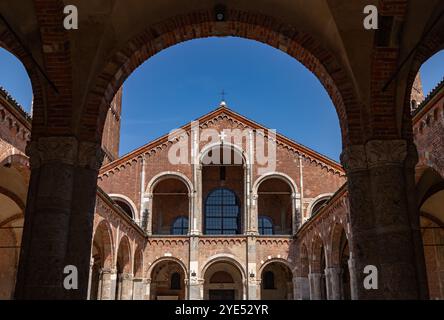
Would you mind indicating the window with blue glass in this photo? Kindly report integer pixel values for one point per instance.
(180, 226)
(222, 212)
(265, 225)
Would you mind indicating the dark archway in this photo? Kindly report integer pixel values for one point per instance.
(168, 281)
(277, 282)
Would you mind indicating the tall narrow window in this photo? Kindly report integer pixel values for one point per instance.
(265, 225)
(180, 226)
(222, 212)
(269, 280)
(175, 281)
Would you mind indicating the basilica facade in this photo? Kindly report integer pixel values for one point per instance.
(221, 208)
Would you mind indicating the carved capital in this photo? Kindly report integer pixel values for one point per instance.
(65, 150)
(375, 153)
(353, 158)
(386, 152)
(90, 155)
(52, 149)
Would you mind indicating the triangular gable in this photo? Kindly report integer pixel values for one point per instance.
(224, 111)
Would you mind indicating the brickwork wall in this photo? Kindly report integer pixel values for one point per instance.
(428, 127)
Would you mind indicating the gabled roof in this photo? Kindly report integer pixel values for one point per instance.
(15, 108)
(223, 110)
(429, 101)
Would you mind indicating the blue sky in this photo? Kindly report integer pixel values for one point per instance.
(184, 82)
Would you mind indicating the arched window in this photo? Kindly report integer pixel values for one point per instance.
(125, 207)
(321, 203)
(180, 226)
(268, 280)
(222, 212)
(265, 225)
(175, 281)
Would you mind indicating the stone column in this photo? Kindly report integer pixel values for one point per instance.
(383, 224)
(90, 275)
(147, 291)
(296, 212)
(126, 285)
(148, 208)
(194, 290)
(139, 288)
(252, 276)
(59, 217)
(334, 286)
(108, 284)
(196, 224)
(315, 286)
(301, 288)
(253, 214)
(353, 280)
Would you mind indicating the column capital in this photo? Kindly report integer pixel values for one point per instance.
(67, 150)
(375, 153)
(386, 152)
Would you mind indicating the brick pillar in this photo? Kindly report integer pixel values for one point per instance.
(59, 217)
(301, 288)
(334, 286)
(315, 285)
(384, 226)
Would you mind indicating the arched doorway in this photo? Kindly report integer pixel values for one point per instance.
(223, 281)
(14, 177)
(277, 282)
(100, 286)
(124, 285)
(430, 194)
(168, 281)
(317, 276)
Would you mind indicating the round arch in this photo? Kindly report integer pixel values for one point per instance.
(166, 259)
(223, 257)
(227, 145)
(335, 243)
(430, 181)
(128, 201)
(168, 278)
(138, 263)
(319, 198)
(226, 271)
(104, 228)
(250, 25)
(276, 280)
(278, 260)
(124, 247)
(168, 175)
(278, 175)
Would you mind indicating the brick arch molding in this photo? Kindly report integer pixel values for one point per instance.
(268, 30)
